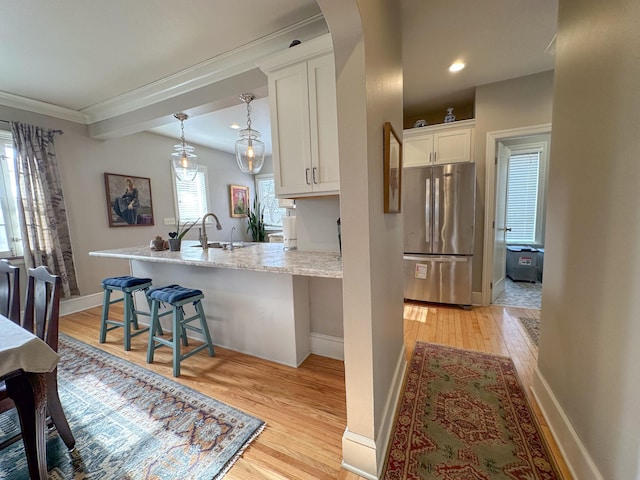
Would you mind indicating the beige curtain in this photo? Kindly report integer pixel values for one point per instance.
(43, 217)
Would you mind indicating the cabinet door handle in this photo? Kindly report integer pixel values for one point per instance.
(430, 155)
(306, 176)
(313, 175)
(435, 157)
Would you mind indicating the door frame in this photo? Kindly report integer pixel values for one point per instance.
(490, 196)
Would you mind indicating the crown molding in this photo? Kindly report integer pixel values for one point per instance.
(225, 65)
(43, 108)
(306, 50)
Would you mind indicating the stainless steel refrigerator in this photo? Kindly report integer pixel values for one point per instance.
(439, 216)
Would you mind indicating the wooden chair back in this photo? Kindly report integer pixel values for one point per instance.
(9, 290)
(42, 305)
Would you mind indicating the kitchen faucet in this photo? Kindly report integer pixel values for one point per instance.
(204, 241)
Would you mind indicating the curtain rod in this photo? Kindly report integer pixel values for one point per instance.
(60, 132)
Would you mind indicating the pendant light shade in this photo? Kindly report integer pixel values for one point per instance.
(183, 160)
(249, 148)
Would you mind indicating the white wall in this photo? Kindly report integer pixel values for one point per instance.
(316, 223)
(590, 331)
(368, 52)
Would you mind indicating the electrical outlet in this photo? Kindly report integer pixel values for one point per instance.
(169, 221)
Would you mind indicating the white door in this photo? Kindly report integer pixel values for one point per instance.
(500, 219)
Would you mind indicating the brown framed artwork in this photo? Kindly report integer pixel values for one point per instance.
(239, 200)
(128, 200)
(392, 170)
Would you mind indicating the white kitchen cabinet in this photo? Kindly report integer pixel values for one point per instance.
(438, 144)
(304, 119)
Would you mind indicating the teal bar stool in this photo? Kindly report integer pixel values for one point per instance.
(177, 297)
(128, 286)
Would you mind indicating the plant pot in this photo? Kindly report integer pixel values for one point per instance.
(174, 244)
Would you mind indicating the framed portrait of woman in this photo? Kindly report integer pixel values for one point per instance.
(128, 200)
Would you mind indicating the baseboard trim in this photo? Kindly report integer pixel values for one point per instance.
(327, 346)
(476, 298)
(77, 304)
(365, 456)
(575, 454)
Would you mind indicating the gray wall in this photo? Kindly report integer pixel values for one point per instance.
(590, 331)
(83, 161)
(521, 102)
(368, 51)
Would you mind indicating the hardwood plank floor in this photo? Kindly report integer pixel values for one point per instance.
(305, 407)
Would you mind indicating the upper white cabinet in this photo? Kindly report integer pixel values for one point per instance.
(438, 144)
(304, 119)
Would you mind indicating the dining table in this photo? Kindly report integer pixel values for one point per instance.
(24, 361)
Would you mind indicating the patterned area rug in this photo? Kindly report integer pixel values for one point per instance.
(464, 416)
(130, 423)
(532, 327)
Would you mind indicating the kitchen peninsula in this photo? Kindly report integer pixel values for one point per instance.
(257, 297)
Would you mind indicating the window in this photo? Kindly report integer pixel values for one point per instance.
(191, 197)
(525, 194)
(10, 241)
(266, 192)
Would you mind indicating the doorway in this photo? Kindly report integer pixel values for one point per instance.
(526, 151)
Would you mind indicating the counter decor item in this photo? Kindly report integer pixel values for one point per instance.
(449, 117)
(128, 200)
(420, 123)
(290, 237)
(256, 222)
(158, 243)
(175, 238)
(392, 170)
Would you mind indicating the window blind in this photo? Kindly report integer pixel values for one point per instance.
(267, 197)
(192, 197)
(522, 197)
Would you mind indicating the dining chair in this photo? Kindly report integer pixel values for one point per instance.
(41, 316)
(9, 290)
(10, 308)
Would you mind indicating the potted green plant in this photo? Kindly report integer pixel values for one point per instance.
(175, 238)
(256, 221)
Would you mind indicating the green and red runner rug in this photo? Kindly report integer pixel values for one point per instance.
(130, 423)
(464, 416)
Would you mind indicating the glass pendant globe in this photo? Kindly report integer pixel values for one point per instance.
(184, 162)
(249, 151)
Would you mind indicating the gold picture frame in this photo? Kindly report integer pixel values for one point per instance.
(392, 170)
(239, 201)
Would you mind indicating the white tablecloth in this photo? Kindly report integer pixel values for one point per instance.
(20, 349)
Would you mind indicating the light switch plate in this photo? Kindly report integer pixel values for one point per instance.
(169, 221)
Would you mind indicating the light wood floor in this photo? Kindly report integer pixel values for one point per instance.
(304, 408)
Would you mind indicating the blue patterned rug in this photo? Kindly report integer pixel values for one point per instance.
(130, 423)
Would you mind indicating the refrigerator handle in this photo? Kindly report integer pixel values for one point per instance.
(436, 214)
(427, 211)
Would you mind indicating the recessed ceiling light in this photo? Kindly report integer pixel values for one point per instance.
(456, 66)
(235, 126)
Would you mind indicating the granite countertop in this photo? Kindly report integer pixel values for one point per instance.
(260, 257)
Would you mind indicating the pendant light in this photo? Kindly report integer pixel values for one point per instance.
(183, 160)
(249, 148)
